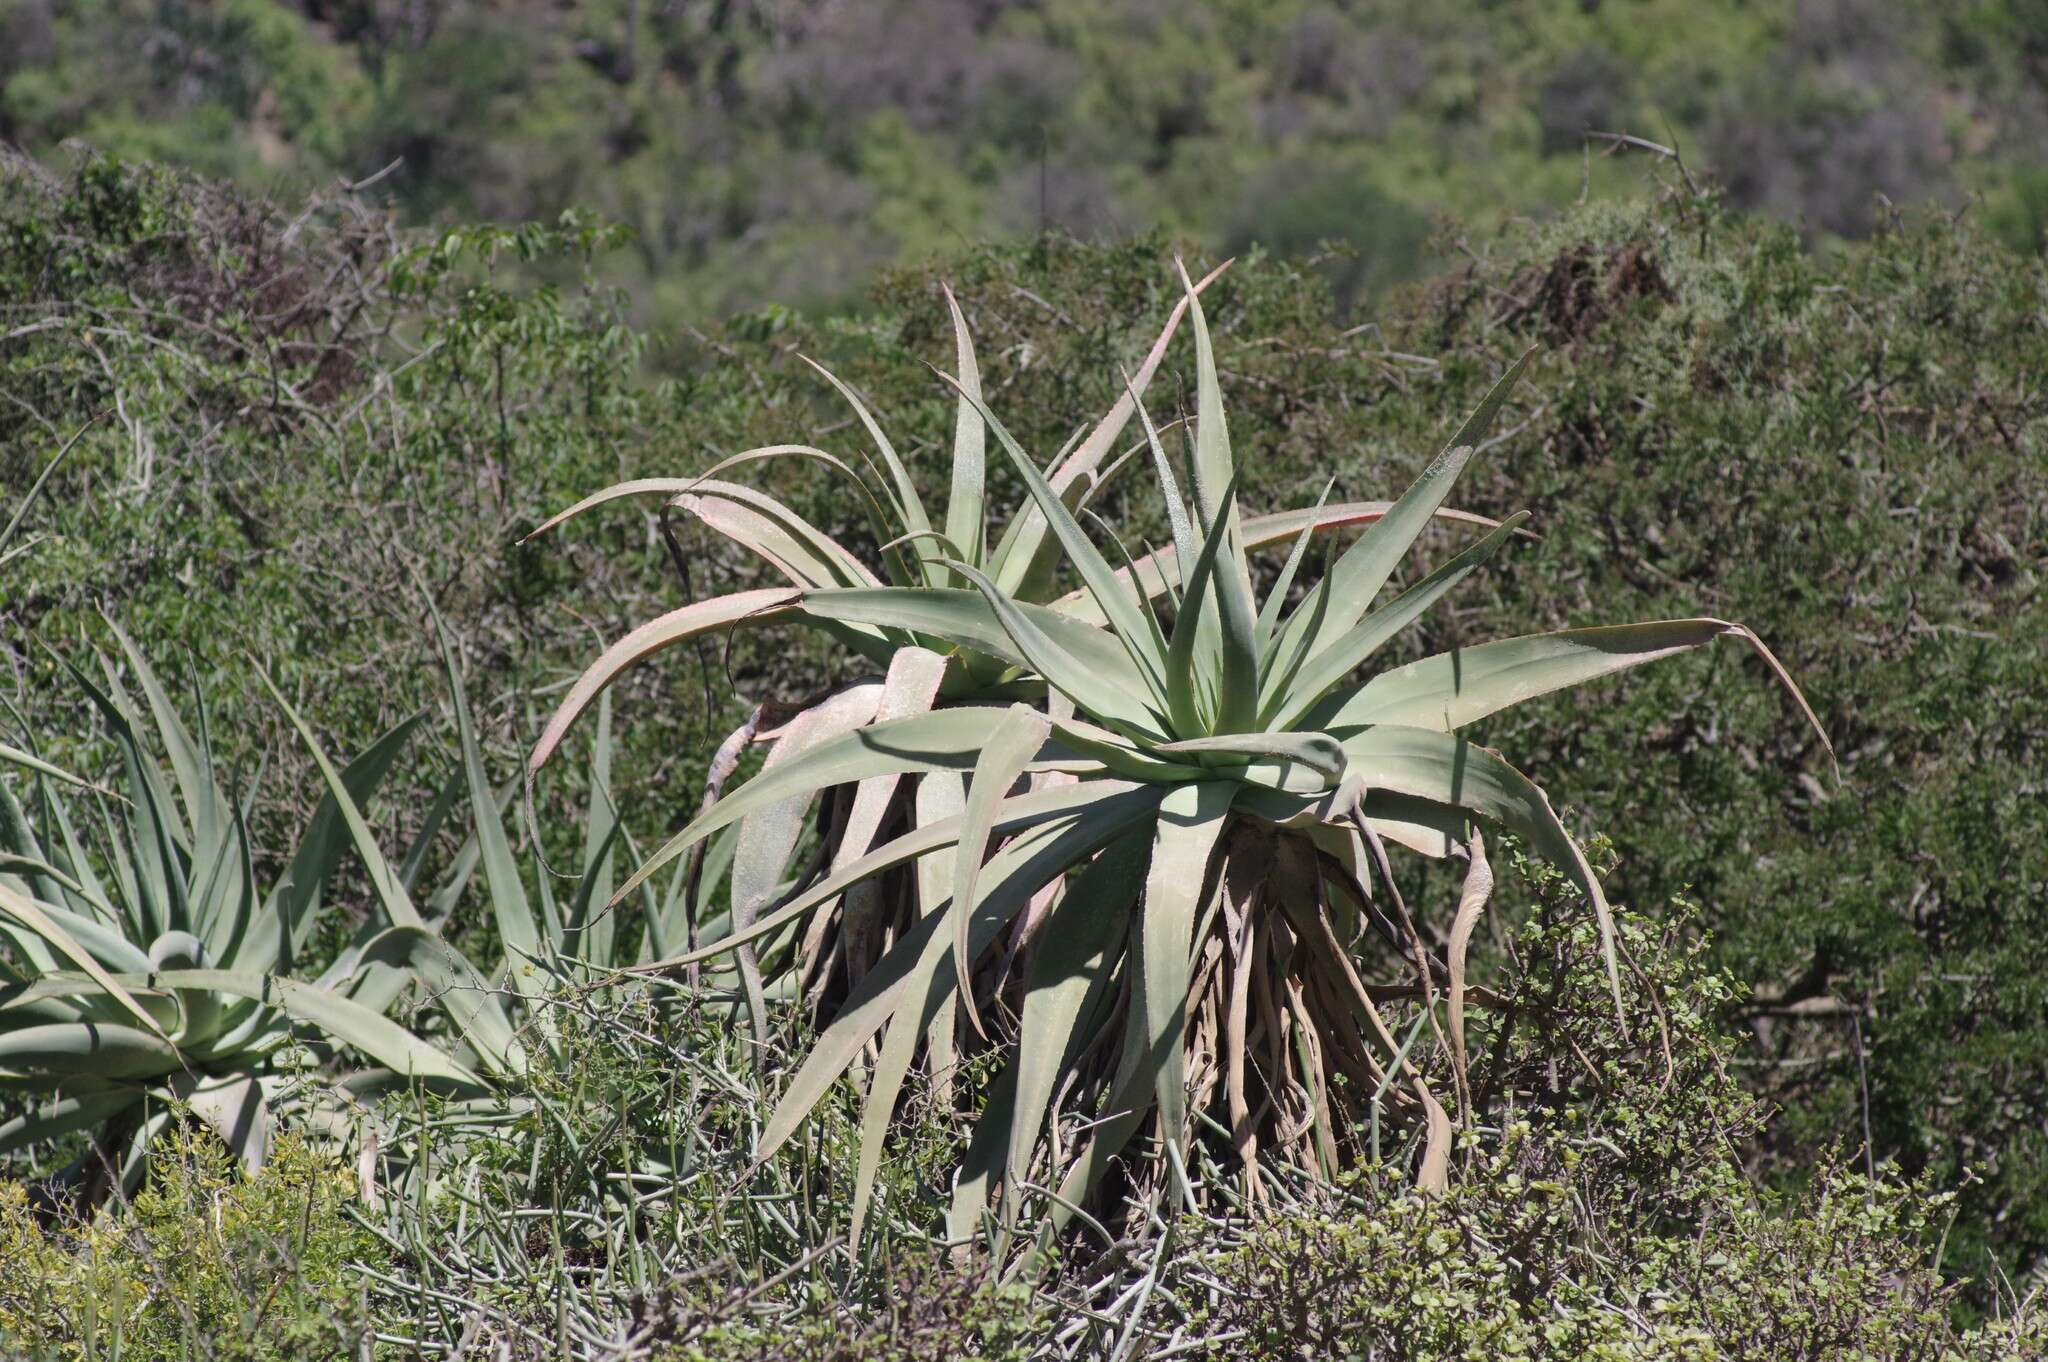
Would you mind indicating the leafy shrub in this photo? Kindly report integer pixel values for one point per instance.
(1608, 1214)
(205, 1261)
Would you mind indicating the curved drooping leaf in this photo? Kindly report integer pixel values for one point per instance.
(801, 552)
(1450, 690)
(1450, 770)
(909, 506)
(677, 626)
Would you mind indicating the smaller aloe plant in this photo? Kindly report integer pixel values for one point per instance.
(142, 966)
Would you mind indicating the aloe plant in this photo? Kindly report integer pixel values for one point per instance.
(143, 969)
(1168, 856)
(917, 670)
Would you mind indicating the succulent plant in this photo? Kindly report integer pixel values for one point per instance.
(1167, 836)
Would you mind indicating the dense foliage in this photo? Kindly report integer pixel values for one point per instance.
(786, 149)
(1843, 448)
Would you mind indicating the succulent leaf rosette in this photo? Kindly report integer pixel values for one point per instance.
(1130, 837)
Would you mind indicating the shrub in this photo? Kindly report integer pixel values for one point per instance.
(206, 1261)
(1606, 1213)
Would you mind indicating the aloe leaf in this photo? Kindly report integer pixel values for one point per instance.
(1191, 818)
(31, 915)
(910, 689)
(1294, 693)
(965, 514)
(1215, 484)
(1186, 694)
(764, 526)
(968, 619)
(391, 895)
(671, 487)
(1178, 523)
(1096, 691)
(1160, 572)
(325, 838)
(1014, 742)
(1116, 601)
(454, 985)
(943, 740)
(191, 765)
(1450, 770)
(54, 1120)
(767, 838)
(1020, 544)
(1103, 438)
(1015, 815)
(922, 992)
(908, 505)
(29, 761)
(1365, 567)
(1276, 599)
(1015, 872)
(235, 1110)
(342, 1019)
(88, 1050)
(1067, 981)
(153, 878)
(1453, 689)
(677, 626)
(1319, 752)
(509, 906)
(941, 797)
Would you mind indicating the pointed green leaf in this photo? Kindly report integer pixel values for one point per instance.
(1293, 695)
(965, 516)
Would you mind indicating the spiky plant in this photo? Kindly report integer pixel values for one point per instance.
(1165, 870)
(916, 670)
(143, 969)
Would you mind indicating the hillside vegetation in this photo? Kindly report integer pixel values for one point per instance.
(300, 431)
(785, 150)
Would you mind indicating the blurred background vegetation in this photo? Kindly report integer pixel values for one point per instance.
(785, 150)
(1795, 381)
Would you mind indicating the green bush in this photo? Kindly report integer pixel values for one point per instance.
(1607, 1214)
(203, 1262)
